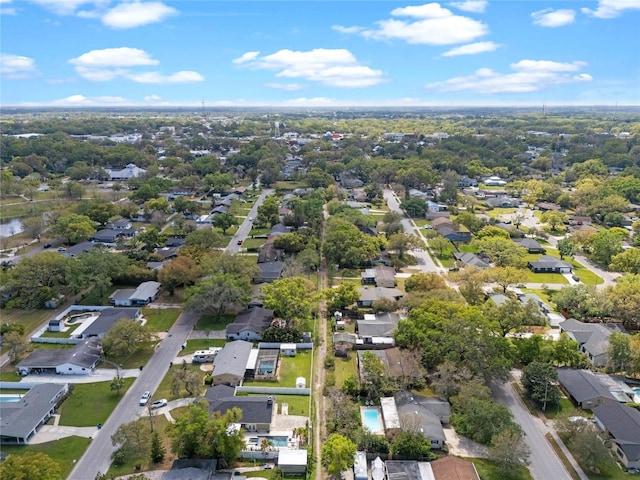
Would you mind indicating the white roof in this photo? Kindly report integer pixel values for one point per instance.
(253, 359)
(287, 346)
(390, 412)
(292, 457)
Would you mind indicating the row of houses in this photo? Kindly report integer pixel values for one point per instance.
(445, 468)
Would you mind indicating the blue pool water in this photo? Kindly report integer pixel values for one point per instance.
(371, 420)
(277, 441)
(9, 398)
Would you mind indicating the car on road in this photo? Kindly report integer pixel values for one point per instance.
(250, 219)
(160, 403)
(62, 249)
(145, 398)
(46, 245)
(239, 242)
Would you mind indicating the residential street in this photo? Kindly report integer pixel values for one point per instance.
(97, 458)
(545, 464)
(245, 227)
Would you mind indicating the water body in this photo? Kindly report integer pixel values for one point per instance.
(12, 227)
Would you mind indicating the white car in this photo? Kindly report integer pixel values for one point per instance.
(145, 398)
(159, 403)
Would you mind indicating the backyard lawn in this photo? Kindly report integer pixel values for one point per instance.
(65, 451)
(91, 403)
(160, 319)
(345, 368)
(488, 470)
(290, 369)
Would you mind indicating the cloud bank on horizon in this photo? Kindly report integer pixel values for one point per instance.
(83, 53)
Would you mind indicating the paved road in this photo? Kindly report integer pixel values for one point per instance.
(97, 458)
(245, 227)
(425, 262)
(545, 464)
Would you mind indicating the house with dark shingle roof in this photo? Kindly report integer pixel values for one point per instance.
(269, 272)
(467, 259)
(454, 235)
(549, 264)
(427, 413)
(368, 295)
(107, 318)
(79, 360)
(380, 276)
(584, 388)
(20, 420)
(622, 423)
(257, 412)
(250, 324)
(532, 246)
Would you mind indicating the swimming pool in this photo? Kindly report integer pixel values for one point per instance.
(10, 398)
(637, 395)
(277, 441)
(372, 420)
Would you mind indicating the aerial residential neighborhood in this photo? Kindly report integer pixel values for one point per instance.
(253, 311)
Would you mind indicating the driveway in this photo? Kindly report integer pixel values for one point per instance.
(462, 446)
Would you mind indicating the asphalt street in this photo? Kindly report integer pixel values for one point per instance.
(246, 226)
(545, 464)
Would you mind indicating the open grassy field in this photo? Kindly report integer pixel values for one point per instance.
(488, 470)
(160, 319)
(91, 403)
(65, 451)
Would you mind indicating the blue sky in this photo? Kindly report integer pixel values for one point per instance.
(325, 53)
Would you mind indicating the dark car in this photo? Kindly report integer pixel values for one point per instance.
(46, 245)
(239, 242)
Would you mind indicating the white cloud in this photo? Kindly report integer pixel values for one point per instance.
(246, 57)
(183, 76)
(343, 29)
(114, 57)
(5, 9)
(136, 14)
(430, 24)
(289, 87)
(529, 76)
(333, 67)
(153, 98)
(66, 7)
(472, 49)
(16, 66)
(474, 6)
(82, 101)
(553, 18)
(612, 8)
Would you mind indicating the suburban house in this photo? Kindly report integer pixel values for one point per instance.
(588, 389)
(20, 420)
(442, 221)
(549, 264)
(230, 363)
(453, 468)
(127, 173)
(269, 272)
(79, 360)
(257, 412)
(548, 206)
(106, 318)
(250, 324)
(146, 293)
(380, 276)
(374, 326)
(532, 246)
(368, 295)
(453, 235)
(107, 236)
(494, 182)
(122, 224)
(502, 202)
(622, 423)
(429, 413)
(467, 259)
(75, 250)
(592, 338)
(412, 469)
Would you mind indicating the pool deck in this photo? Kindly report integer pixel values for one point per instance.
(380, 421)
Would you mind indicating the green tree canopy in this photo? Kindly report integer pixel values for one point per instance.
(338, 454)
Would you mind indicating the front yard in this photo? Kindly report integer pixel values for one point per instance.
(160, 319)
(91, 403)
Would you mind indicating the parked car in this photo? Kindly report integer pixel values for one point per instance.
(145, 398)
(239, 242)
(159, 403)
(576, 278)
(62, 249)
(46, 245)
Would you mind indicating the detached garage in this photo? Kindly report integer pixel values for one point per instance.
(292, 461)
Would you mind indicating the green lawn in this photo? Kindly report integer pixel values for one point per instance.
(209, 322)
(542, 294)
(497, 212)
(94, 297)
(488, 470)
(253, 242)
(345, 368)
(65, 451)
(164, 389)
(160, 319)
(201, 344)
(585, 275)
(259, 231)
(29, 319)
(90, 403)
(66, 334)
(545, 278)
(468, 249)
(141, 357)
(290, 369)
(566, 408)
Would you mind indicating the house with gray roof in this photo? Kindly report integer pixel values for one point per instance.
(583, 388)
(377, 326)
(427, 414)
(20, 420)
(75, 250)
(230, 363)
(79, 360)
(144, 294)
(502, 202)
(368, 295)
(592, 338)
(622, 423)
(467, 259)
(380, 276)
(127, 173)
(250, 324)
(107, 318)
(532, 246)
(257, 412)
(549, 264)
(269, 272)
